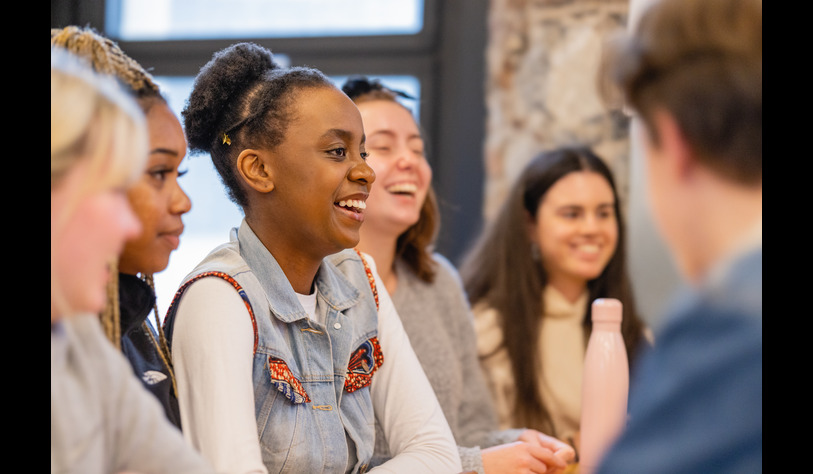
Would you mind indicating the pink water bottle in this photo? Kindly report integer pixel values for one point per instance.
(605, 385)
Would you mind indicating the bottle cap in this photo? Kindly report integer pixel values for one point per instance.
(607, 310)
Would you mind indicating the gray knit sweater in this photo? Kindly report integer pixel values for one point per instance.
(102, 418)
(438, 320)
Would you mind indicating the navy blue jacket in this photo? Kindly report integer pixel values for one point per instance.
(696, 400)
(136, 300)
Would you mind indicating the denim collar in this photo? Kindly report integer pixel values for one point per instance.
(332, 286)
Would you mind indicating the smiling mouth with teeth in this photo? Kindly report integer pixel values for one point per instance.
(355, 205)
(402, 188)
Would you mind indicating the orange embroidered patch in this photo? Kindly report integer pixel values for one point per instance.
(284, 380)
(363, 364)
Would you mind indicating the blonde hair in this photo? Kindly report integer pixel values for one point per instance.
(92, 121)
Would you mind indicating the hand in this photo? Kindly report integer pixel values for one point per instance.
(560, 449)
(522, 457)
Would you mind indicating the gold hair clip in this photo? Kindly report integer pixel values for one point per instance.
(226, 139)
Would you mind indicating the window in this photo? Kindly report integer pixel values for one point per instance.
(161, 20)
(436, 45)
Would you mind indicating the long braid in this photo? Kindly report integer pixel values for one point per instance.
(111, 321)
(111, 315)
(161, 344)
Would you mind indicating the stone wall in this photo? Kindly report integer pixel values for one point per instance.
(542, 60)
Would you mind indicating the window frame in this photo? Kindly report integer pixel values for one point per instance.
(447, 56)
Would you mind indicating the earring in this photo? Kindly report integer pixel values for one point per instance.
(536, 255)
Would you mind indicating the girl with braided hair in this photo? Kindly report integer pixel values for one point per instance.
(287, 347)
(158, 202)
(102, 420)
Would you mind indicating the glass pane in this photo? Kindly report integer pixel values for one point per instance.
(408, 84)
(213, 215)
(145, 20)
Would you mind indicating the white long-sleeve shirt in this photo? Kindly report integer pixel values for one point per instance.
(212, 354)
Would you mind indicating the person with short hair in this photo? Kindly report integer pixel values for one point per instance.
(692, 72)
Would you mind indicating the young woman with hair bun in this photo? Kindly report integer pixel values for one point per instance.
(286, 345)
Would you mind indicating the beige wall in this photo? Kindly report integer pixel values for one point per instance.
(541, 68)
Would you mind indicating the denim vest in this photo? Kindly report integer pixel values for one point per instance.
(311, 381)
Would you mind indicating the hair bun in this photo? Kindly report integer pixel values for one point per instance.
(356, 86)
(359, 85)
(218, 88)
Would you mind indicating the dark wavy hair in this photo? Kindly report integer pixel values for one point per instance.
(241, 99)
(415, 245)
(500, 271)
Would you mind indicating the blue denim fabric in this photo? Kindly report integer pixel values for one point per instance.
(312, 424)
